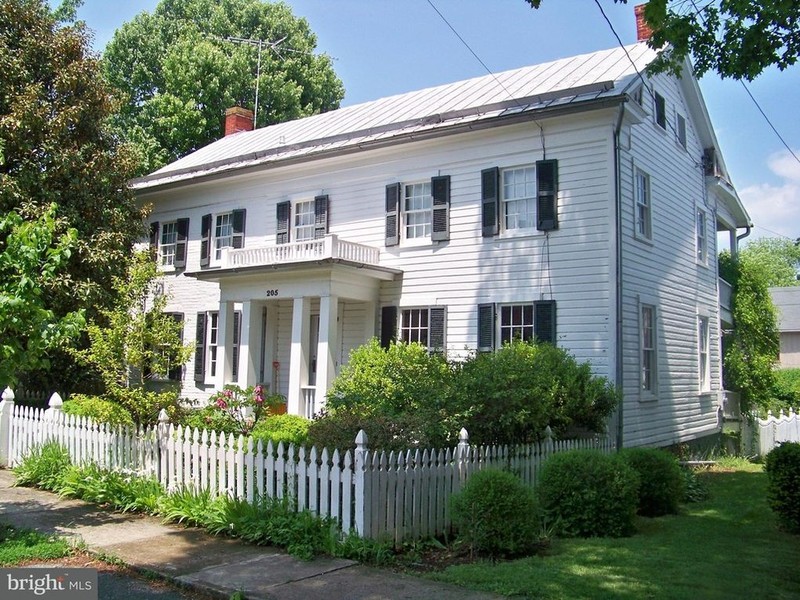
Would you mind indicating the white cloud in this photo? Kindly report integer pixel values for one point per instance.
(775, 209)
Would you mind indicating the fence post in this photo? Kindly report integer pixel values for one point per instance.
(6, 411)
(548, 441)
(462, 451)
(162, 441)
(54, 410)
(363, 499)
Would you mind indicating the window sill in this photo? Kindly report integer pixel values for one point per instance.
(416, 243)
(522, 234)
(647, 397)
(644, 240)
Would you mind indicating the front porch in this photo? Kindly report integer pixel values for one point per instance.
(290, 314)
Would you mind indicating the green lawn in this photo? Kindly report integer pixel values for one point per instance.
(725, 547)
(21, 545)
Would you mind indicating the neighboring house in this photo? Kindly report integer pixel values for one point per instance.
(576, 202)
(787, 302)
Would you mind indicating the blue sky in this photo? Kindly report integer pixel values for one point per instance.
(386, 47)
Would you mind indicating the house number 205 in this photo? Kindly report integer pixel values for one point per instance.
(272, 293)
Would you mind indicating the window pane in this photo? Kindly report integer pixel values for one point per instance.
(418, 210)
(304, 221)
(169, 241)
(519, 196)
(223, 233)
(414, 326)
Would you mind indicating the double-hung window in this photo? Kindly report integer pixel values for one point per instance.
(703, 362)
(648, 349)
(660, 110)
(220, 231)
(519, 199)
(207, 344)
(424, 326)
(500, 324)
(168, 242)
(418, 211)
(701, 244)
(302, 220)
(642, 208)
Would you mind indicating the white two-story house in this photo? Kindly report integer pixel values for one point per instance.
(575, 202)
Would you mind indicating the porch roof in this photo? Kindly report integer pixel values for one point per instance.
(218, 274)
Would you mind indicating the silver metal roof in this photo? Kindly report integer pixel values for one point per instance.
(588, 77)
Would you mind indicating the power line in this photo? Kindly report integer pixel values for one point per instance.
(487, 69)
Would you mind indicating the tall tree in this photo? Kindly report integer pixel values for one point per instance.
(178, 70)
(56, 149)
(778, 259)
(33, 255)
(734, 38)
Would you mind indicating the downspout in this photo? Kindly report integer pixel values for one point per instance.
(618, 234)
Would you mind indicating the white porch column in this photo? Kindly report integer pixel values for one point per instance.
(298, 357)
(326, 347)
(249, 344)
(224, 345)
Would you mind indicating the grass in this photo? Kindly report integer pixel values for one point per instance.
(725, 547)
(23, 545)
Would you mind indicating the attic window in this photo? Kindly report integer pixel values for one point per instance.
(661, 110)
(681, 130)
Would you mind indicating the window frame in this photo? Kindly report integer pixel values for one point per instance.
(530, 201)
(701, 236)
(426, 212)
(309, 227)
(526, 310)
(648, 352)
(642, 211)
(704, 353)
(660, 110)
(164, 245)
(680, 130)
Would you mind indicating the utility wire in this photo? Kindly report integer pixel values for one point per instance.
(486, 68)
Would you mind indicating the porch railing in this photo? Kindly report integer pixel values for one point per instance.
(328, 247)
(309, 393)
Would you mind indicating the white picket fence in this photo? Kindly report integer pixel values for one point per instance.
(773, 430)
(396, 496)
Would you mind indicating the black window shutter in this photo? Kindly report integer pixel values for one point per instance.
(200, 349)
(544, 321)
(393, 214)
(239, 218)
(436, 324)
(388, 326)
(205, 240)
(486, 314)
(176, 372)
(182, 226)
(490, 201)
(547, 195)
(284, 210)
(320, 217)
(441, 208)
(154, 238)
(237, 332)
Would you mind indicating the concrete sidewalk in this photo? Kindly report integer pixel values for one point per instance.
(214, 565)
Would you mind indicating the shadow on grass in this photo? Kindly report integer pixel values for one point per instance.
(726, 547)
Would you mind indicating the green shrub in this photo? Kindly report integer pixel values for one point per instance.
(338, 430)
(289, 429)
(694, 488)
(785, 391)
(782, 466)
(512, 395)
(44, 466)
(495, 514)
(661, 483)
(145, 405)
(586, 493)
(122, 490)
(210, 418)
(98, 409)
(404, 379)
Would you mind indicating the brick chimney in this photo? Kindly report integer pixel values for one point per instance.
(643, 31)
(238, 119)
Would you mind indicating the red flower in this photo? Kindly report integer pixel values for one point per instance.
(222, 404)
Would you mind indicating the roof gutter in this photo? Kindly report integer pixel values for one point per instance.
(225, 168)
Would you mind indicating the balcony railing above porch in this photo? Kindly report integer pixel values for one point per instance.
(328, 247)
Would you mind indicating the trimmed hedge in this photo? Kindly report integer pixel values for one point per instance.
(98, 409)
(586, 493)
(782, 466)
(661, 481)
(495, 514)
